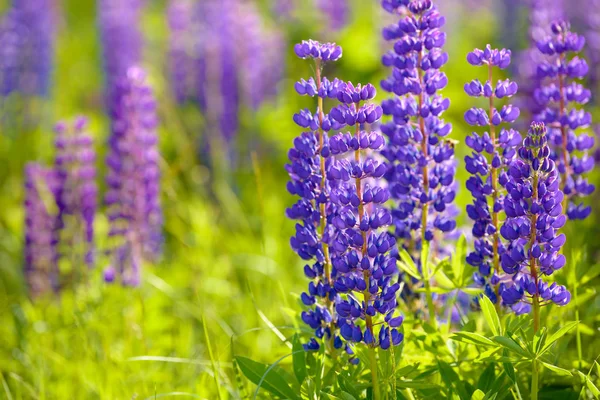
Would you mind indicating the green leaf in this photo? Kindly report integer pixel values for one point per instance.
(511, 345)
(590, 274)
(425, 261)
(458, 260)
(472, 337)
(407, 265)
(270, 380)
(487, 378)
(590, 385)
(510, 371)
(558, 370)
(490, 315)
(478, 395)
(538, 340)
(558, 334)
(298, 359)
(451, 379)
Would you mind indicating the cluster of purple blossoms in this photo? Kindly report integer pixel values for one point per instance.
(534, 216)
(336, 12)
(361, 246)
(133, 196)
(182, 63)
(488, 163)
(26, 47)
(41, 229)
(122, 41)
(309, 161)
(77, 197)
(422, 165)
(559, 89)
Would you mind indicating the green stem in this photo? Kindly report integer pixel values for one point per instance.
(430, 305)
(578, 330)
(374, 378)
(535, 301)
(534, 380)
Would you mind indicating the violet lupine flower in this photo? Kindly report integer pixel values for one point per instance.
(76, 199)
(336, 12)
(41, 229)
(534, 216)
(27, 34)
(133, 197)
(559, 89)
(422, 167)
(361, 245)
(488, 163)
(122, 41)
(309, 161)
(182, 58)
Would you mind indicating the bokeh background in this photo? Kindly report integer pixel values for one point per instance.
(227, 283)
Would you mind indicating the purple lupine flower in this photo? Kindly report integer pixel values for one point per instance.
(41, 229)
(493, 151)
(77, 197)
(182, 60)
(122, 41)
(559, 89)
(336, 12)
(27, 34)
(309, 162)
(534, 216)
(133, 197)
(592, 38)
(422, 166)
(361, 245)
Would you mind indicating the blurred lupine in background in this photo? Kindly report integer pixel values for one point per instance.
(534, 216)
(122, 41)
(557, 95)
(336, 11)
(77, 195)
(133, 196)
(42, 185)
(493, 151)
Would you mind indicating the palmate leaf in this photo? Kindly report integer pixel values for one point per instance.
(557, 335)
(557, 370)
(452, 380)
(590, 385)
(407, 265)
(267, 377)
(474, 338)
(511, 345)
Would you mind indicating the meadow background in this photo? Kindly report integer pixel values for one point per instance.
(228, 282)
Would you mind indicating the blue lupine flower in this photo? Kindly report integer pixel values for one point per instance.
(336, 12)
(361, 245)
(559, 88)
(534, 216)
(309, 161)
(133, 197)
(492, 153)
(41, 229)
(77, 197)
(422, 166)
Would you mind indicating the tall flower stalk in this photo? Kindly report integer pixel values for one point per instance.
(309, 160)
(558, 91)
(133, 197)
(422, 167)
(76, 199)
(493, 151)
(361, 246)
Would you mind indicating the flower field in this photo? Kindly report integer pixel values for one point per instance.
(299, 199)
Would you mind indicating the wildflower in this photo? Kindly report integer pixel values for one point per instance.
(488, 163)
(76, 199)
(422, 166)
(559, 88)
(361, 245)
(534, 216)
(336, 12)
(309, 162)
(41, 229)
(133, 197)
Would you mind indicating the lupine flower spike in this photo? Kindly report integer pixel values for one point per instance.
(422, 166)
(133, 181)
(559, 89)
(492, 152)
(76, 200)
(361, 246)
(534, 216)
(41, 229)
(309, 160)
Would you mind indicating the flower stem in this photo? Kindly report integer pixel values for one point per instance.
(534, 380)
(494, 172)
(430, 305)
